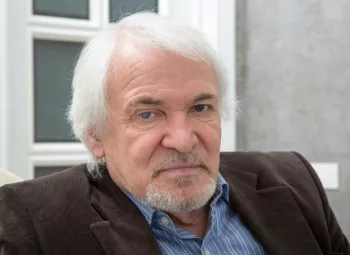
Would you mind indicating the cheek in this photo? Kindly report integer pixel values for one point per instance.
(210, 135)
(210, 141)
(142, 145)
(140, 153)
(130, 158)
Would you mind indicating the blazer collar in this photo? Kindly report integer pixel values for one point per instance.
(270, 213)
(120, 227)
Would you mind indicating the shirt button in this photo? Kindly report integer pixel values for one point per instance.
(207, 252)
(165, 221)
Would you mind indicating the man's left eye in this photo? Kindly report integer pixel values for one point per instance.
(201, 108)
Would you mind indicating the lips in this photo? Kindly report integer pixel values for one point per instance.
(178, 169)
(180, 166)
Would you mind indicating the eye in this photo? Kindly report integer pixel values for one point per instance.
(145, 115)
(201, 107)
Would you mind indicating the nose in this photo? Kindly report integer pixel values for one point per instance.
(180, 134)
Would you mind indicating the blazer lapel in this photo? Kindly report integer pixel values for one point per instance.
(271, 214)
(120, 227)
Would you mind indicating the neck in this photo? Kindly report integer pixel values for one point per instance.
(195, 222)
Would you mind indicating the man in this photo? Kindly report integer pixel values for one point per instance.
(146, 103)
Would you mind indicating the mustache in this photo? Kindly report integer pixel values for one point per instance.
(179, 157)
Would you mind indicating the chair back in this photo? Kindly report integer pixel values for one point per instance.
(7, 177)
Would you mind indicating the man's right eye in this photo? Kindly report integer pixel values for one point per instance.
(145, 115)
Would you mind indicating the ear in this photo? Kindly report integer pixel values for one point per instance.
(95, 146)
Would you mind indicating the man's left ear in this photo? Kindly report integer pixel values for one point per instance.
(95, 146)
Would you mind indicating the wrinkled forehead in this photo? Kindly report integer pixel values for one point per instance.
(135, 64)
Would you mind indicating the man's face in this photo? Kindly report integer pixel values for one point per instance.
(163, 133)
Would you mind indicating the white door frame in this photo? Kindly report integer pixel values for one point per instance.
(216, 19)
(3, 85)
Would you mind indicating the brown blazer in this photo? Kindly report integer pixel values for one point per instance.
(278, 196)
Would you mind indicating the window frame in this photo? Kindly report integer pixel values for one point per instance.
(19, 153)
(92, 23)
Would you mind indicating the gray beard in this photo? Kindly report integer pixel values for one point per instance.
(163, 200)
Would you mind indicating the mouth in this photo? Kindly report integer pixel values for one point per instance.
(180, 169)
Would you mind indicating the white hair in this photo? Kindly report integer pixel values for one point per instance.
(88, 110)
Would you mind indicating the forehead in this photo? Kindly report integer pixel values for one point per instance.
(138, 69)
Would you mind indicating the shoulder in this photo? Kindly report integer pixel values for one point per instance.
(256, 160)
(47, 209)
(274, 167)
(50, 196)
(60, 184)
(278, 169)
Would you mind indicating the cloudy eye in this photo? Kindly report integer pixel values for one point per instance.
(201, 107)
(145, 115)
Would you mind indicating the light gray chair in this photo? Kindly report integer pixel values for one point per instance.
(8, 177)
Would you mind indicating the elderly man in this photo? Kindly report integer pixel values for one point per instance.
(147, 101)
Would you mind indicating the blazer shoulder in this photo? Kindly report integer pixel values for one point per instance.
(53, 209)
(253, 160)
(52, 189)
(69, 176)
(273, 168)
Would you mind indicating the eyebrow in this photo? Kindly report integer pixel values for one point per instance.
(147, 100)
(144, 100)
(203, 96)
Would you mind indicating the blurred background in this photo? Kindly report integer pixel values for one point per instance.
(288, 61)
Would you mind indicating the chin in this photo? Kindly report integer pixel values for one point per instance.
(182, 197)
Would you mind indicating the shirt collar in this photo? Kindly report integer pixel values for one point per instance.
(221, 191)
(222, 188)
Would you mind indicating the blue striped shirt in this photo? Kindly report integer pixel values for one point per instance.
(226, 232)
